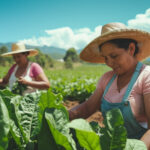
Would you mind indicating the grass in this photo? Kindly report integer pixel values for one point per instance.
(3, 71)
(73, 84)
(79, 71)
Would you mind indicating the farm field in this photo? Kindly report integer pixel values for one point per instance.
(77, 83)
(72, 84)
(39, 121)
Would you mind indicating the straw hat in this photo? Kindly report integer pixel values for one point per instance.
(20, 48)
(111, 31)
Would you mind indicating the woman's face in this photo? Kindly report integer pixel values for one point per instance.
(20, 58)
(117, 58)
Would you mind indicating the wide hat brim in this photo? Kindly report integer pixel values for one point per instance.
(32, 52)
(92, 54)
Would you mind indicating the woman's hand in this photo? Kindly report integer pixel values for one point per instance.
(4, 81)
(22, 80)
(40, 82)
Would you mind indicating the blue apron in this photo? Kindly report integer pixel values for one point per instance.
(134, 129)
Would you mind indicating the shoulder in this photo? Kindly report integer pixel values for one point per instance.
(35, 69)
(145, 72)
(143, 81)
(105, 79)
(34, 64)
(146, 68)
(12, 68)
(108, 75)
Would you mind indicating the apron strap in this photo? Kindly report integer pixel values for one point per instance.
(109, 84)
(28, 69)
(133, 79)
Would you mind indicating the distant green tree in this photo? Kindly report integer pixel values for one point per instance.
(43, 60)
(3, 49)
(49, 61)
(4, 60)
(68, 63)
(72, 54)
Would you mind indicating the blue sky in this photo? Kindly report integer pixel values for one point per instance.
(67, 23)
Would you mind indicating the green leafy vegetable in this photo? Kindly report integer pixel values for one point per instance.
(18, 88)
(40, 121)
(87, 138)
(4, 125)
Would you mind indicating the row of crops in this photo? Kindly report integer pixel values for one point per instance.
(39, 121)
(77, 84)
(74, 84)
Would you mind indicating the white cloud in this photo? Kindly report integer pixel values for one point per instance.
(141, 21)
(65, 38)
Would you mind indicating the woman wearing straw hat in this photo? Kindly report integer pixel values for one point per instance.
(127, 86)
(27, 73)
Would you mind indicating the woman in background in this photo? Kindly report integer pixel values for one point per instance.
(28, 73)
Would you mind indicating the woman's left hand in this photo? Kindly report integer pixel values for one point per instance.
(22, 80)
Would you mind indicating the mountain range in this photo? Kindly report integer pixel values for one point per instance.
(54, 52)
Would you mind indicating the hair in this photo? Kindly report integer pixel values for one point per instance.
(122, 43)
(26, 53)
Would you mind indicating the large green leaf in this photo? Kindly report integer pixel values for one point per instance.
(15, 132)
(56, 117)
(20, 116)
(45, 138)
(18, 88)
(57, 121)
(26, 111)
(4, 125)
(49, 100)
(133, 144)
(85, 135)
(114, 118)
(114, 135)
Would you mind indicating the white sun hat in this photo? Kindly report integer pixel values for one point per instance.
(20, 48)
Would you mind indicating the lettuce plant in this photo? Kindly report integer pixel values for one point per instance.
(40, 121)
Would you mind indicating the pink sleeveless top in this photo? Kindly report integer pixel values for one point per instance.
(35, 70)
(141, 87)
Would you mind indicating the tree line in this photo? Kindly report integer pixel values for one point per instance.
(45, 60)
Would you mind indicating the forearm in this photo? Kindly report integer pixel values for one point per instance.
(80, 111)
(38, 84)
(2, 82)
(87, 108)
(145, 138)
